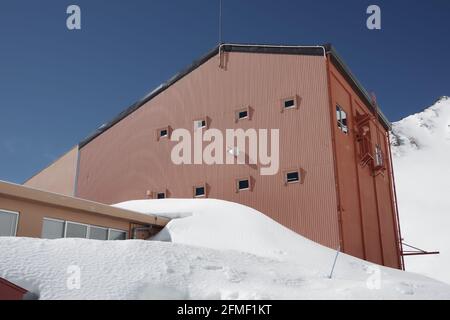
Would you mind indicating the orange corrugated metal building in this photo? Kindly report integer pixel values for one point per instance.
(333, 138)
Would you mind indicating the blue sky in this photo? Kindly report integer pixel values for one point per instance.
(57, 86)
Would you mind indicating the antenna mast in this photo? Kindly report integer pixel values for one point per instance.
(220, 22)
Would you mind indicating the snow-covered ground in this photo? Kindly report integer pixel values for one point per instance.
(421, 148)
(217, 250)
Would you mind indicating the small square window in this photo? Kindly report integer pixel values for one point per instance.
(199, 192)
(242, 114)
(199, 124)
(243, 184)
(160, 195)
(163, 133)
(290, 103)
(292, 176)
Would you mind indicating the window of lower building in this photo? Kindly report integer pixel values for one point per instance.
(76, 230)
(243, 184)
(117, 235)
(98, 233)
(52, 229)
(199, 191)
(56, 229)
(341, 117)
(8, 223)
(292, 177)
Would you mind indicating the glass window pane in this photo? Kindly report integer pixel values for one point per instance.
(117, 235)
(244, 184)
(52, 229)
(199, 191)
(163, 133)
(161, 195)
(338, 113)
(75, 230)
(98, 233)
(292, 177)
(289, 103)
(8, 223)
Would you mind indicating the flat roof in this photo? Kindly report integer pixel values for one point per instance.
(315, 50)
(18, 191)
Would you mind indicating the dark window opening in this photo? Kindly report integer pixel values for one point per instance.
(292, 177)
(243, 114)
(199, 192)
(341, 117)
(290, 103)
(163, 133)
(161, 195)
(244, 184)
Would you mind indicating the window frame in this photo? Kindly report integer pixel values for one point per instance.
(88, 231)
(344, 128)
(250, 184)
(287, 172)
(237, 112)
(55, 220)
(379, 155)
(160, 192)
(117, 230)
(78, 223)
(158, 133)
(98, 227)
(295, 98)
(17, 213)
(194, 189)
(202, 119)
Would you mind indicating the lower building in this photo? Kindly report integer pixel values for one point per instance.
(28, 212)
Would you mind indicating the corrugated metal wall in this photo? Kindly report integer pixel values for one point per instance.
(126, 161)
(368, 215)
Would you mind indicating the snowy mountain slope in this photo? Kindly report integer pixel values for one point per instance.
(421, 149)
(213, 255)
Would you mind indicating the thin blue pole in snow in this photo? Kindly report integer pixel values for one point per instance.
(335, 260)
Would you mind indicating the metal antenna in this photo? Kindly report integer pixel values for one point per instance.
(220, 22)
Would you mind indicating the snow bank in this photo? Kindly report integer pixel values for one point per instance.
(224, 225)
(219, 250)
(421, 148)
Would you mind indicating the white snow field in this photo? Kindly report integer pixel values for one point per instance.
(218, 250)
(421, 148)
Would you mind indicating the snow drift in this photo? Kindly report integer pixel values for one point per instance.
(217, 250)
(421, 149)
